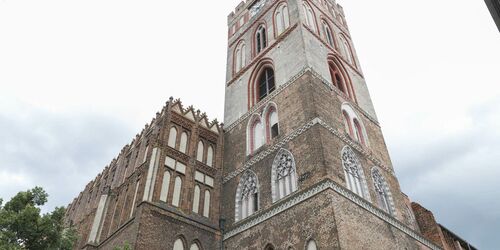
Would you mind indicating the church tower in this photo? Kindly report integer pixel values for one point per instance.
(305, 162)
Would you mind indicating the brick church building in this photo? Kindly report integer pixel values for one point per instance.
(300, 162)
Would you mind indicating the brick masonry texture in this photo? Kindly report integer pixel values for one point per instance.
(128, 204)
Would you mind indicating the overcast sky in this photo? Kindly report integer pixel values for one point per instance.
(78, 80)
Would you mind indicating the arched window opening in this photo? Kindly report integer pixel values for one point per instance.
(266, 83)
(359, 132)
(337, 78)
(311, 245)
(176, 200)
(309, 16)
(257, 135)
(347, 123)
(165, 185)
(346, 50)
(194, 246)
(178, 245)
(196, 199)
(382, 191)
(199, 151)
(282, 19)
(183, 143)
(247, 196)
(328, 34)
(260, 39)
(354, 125)
(144, 158)
(284, 176)
(273, 125)
(353, 172)
(210, 155)
(172, 137)
(206, 204)
(240, 57)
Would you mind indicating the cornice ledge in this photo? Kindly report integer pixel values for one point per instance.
(299, 197)
(260, 156)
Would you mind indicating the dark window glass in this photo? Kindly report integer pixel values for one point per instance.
(266, 83)
(260, 39)
(274, 131)
(258, 42)
(255, 201)
(338, 82)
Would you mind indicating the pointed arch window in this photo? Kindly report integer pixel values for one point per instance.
(310, 20)
(210, 156)
(328, 34)
(260, 39)
(247, 196)
(240, 56)
(196, 199)
(346, 50)
(337, 78)
(172, 137)
(354, 172)
(178, 244)
(266, 83)
(184, 142)
(284, 176)
(282, 19)
(384, 197)
(165, 184)
(353, 125)
(194, 246)
(206, 204)
(255, 134)
(199, 151)
(269, 247)
(272, 125)
(176, 199)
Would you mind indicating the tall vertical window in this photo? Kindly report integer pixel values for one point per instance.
(247, 196)
(328, 34)
(199, 152)
(145, 154)
(194, 246)
(354, 172)
(260, 39)
(266, 83)
(240, 57)
(346, 50)
(165, 184)
(284, 176)
(282, 19)
(309, 16)
(196, 199)
(337, 79)
(172, 137)
(210, 156)
(353, 125)
(176, 199)
(384, 198)
(183, 143)
(206, 204)
(272, 125)
(257, 137)
(178, 245)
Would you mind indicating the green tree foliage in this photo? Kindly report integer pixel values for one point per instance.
(22, 226)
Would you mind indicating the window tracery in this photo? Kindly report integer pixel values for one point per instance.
(354, 173)
(284, 181)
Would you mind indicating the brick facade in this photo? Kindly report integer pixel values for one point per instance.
(304, 188)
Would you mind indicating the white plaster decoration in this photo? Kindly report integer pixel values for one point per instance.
(176, 198)
(172, 137)
(246, 193)
(151, 177)
(313, 191)
(283, 175)
(135, 198)
(281, 143)
(206, 204)
(165, 184)
(210, 155)
(354, 174)
(280, 88)
(178, 245)
(383, 192)
(98, 219)
(196, 199)
(199, 152)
